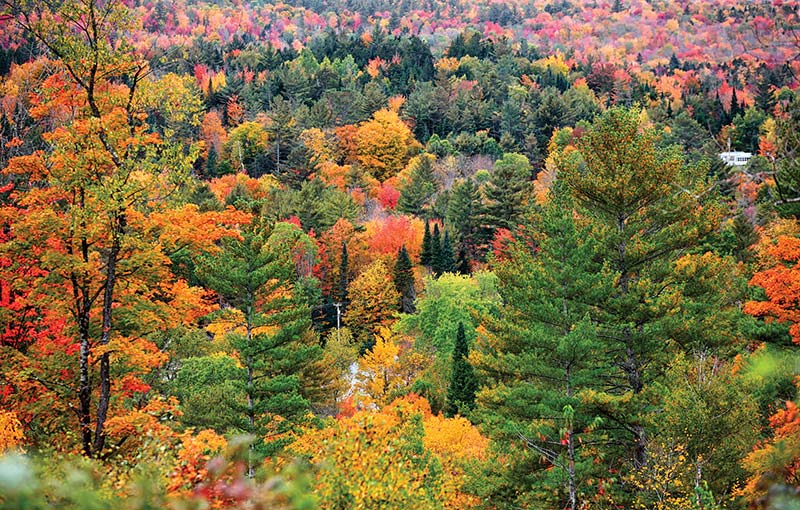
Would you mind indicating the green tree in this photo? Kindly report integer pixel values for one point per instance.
(426, 254)
(404, 281)
(436, 248)
(463, 384)
(646, 207)
(505, 192)
(211, 390)
(417, 195)
(787, 160)
(463, 218)
(445, 261)
(542, 353)
(255, 277)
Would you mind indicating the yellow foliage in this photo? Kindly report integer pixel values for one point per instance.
(374, 459)
(380, 369)
(384, 144)
(11, 435)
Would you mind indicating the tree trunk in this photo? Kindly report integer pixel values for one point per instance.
(105, 338)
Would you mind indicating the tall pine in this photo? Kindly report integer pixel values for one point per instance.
(404, 280)
(539, 355)
(426, 254)
(255, 279)
(506, 191)
(463, 384)
(646, 207)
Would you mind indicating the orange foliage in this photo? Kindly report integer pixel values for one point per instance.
(781, 284)
(10, 431)
(258, 188)
(386, 236)
(213, 133)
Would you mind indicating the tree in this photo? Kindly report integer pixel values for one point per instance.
(375, 459)
(780, 283)
(540, 354)
(426, 254)
(247, 143)
(506, 191)
(82, 220)
(463, 218)
(650, 207)
(417, 194)
(379, 369)
(436, 249)
(373, 302)
(384, 144)
(786, 162)
(446, 261)
(255, 276)
(404, 281)
(283, 136)
(463, 384)
(341, 289)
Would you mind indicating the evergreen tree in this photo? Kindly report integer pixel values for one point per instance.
(341, 291)
(404, 280)
(463, 384)
(735, 109)
(542, 352)
(283, 137)
(463, 265)
(416, 196)
(650, 207)
(255, 276)
(506, 190)
(436, 249)
(447, 261)
(426, 254)
(463, 218)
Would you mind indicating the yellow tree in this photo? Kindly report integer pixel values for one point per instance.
(379, 369)
(384, 144)
(373, 301)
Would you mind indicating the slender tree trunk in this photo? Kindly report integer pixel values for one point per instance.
(630, 365)
(85, 384)
(251, 417)
(105, 362)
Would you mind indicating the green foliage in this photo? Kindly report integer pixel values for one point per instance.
(404, 281)
(463, 384)
(541, 356)
(463, 218)
(416, 196)
(506, 192)
(447, 301)
(255, 275)
(212, 393)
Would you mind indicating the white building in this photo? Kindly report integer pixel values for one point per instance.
(735, 158)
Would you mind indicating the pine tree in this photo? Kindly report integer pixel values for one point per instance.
(463, 384)
(404, 281)
(256, 278)
(341, 291)
(506, 190)
(540, 353)
(417, 195)
(436, 249)
(426, 254)
(447, 260)
(463, 265)
(651, 207)
(463, 217)
(735, 108)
